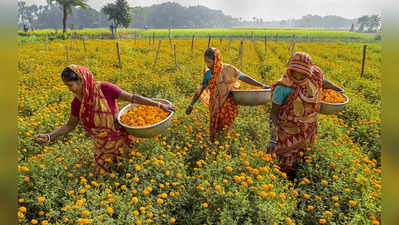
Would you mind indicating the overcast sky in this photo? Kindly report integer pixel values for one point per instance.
(268, 9)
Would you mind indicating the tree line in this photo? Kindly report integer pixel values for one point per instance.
(77, 14)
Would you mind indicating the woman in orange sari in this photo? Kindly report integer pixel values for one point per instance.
(215, 89)
(295, 106)
(95, 106)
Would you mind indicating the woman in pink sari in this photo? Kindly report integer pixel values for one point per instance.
(96, 107)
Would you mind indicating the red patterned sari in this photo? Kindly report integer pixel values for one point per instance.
(297, 119)
(98, 120)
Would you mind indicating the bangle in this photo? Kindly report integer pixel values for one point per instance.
(273, 141)
(159, 104)
(48, 137)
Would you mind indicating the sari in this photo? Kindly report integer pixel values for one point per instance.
(99, 122)
(217, 96)
(297, 118)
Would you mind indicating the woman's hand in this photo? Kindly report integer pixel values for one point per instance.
(264, 86)
(42, 138)
(271, 146)
(168, 107)
(189, 109)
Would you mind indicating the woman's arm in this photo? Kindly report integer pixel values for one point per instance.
(69, 126)
(330, 85)
(273, 127)
(194, 100)
(251, 81)
(134, 98)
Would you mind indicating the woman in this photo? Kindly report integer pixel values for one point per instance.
(295, 105)
(215, 89)
(95, 105)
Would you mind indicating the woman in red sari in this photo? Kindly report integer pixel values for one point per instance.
(96, 107)
(295, 106)
(215, 89)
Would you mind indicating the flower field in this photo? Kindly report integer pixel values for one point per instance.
(179, 177)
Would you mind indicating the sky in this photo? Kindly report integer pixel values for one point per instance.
(267, 9)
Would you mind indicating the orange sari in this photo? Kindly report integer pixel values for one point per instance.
(98, 120)
(217, 96)
(297, 119)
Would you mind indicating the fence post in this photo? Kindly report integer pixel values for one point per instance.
(241, 54)
(364, 59)
(156, 56)
(119, 54)
(192, 44)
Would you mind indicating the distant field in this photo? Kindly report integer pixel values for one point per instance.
(237, 33)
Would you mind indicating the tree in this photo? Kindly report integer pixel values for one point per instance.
(119, 13)
(374, 23)
(66, 6)
(363, 21)
(352, 28)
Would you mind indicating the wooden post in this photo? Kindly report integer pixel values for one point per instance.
(149, 42)
(119, 54)
(174, 52)
(153, 38)
(192, 44)
(67, 54)
(156, 56)
(241, 54)
(135, 37)
(293, 43)
(170, 40)
(209, 41)
(265, 46)
(46, 42)
(364, 59)
(84, 45)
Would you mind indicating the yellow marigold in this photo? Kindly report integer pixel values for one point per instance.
(144, 115)
(83, 221)
(109, 210)
(41, 199)
(205, 205)
(172, 220)
(328, 213)
(352, 203)
(322, 221)
(263, 194)
(331, 96)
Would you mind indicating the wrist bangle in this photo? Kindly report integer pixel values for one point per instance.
(273, 141)
(48, 137)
